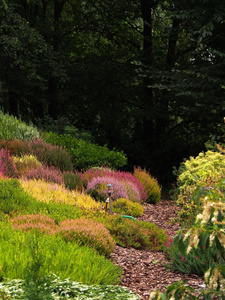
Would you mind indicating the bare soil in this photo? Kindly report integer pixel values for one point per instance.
(143, 270)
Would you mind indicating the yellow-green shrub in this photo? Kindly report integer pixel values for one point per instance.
(150, 185)
(89, 233)
(52, 192)
(133, 233)
(127, 207)
(25, 163)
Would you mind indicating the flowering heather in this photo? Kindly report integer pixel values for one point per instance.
(41, 223)
(48, 174)
(120, 189)
(89, 233)
(7, 166)
(118, 175)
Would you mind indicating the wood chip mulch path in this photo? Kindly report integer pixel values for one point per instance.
(143, 270)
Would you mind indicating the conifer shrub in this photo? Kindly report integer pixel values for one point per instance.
(150, 185)
(124, 206)
(133, 233)
(89, 233)
(7, 165)
(26, 163)
(48, 174)
(73, 181)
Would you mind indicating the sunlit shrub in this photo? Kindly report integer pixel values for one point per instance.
(89, 233)
(134, 233)
(14, 200)
(86, 202)
(98, 189)
(26, 163)
(121, 176)
(150, 185)
(209, 164)
(49, 192)
(73, 181)
(37, 222)
(124, 206)
(13, 128)
(51, 254)
(7, 165)
(48, 174)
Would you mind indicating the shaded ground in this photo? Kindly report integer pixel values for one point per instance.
(143, 271)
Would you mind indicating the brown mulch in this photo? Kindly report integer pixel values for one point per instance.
(143, 270)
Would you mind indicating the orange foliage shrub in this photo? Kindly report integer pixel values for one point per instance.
(88, 233)
(41, 223)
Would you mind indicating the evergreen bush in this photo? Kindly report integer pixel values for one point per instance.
(150, 185)
(86, 154)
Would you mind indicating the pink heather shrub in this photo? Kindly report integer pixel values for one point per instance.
(7, 165)
(48, 174)
(40, 223)
(97, 187)
(118, 175)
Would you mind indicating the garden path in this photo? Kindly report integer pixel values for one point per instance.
(143, 270)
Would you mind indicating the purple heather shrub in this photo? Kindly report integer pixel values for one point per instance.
(97, 187)
(48, 174)
(118, 175)
(7, 165)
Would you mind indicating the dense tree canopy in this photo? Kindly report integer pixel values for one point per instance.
(145, 76)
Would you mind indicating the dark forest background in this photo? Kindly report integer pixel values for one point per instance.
(144, 76)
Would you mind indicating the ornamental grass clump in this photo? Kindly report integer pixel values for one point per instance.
(150, 184)
(98, 189)
(89, 233)
(124, 206)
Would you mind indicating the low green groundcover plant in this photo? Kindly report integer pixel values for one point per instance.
(67, 289)
(37, 255)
